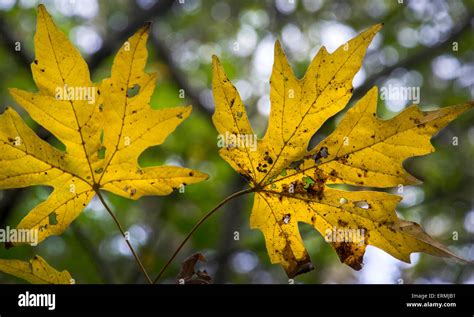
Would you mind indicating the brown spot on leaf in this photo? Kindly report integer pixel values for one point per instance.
(342, 223)
(350, 253)
(296, 266)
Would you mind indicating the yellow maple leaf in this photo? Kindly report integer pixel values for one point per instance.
(290, 182)
(36, 271)
(104, 127)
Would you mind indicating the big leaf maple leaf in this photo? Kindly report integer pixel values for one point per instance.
(103, 136)
(291, 183)
(35, 271)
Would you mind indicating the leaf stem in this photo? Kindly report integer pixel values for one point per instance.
(137, 259)
(198, 224)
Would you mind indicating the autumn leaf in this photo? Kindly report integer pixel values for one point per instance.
(36, 271)
(104, 127)
(291, 183)
(189, 275)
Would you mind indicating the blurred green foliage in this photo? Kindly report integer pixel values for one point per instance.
(415, 48)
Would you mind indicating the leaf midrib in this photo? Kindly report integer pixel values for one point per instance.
(70, 102)
(124, 110)
(309, 108)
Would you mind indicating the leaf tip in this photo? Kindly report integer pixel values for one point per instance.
(369, 33)
(373, 92)
(147, 27)
(215, 60)
(200, 175)
(377, 27)
(217, 67)
(278, 45)
(412, 180)
(42, 11)
(279, 52)
(187, 110)
(13, 91)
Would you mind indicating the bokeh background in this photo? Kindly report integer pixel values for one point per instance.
(417, 47)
